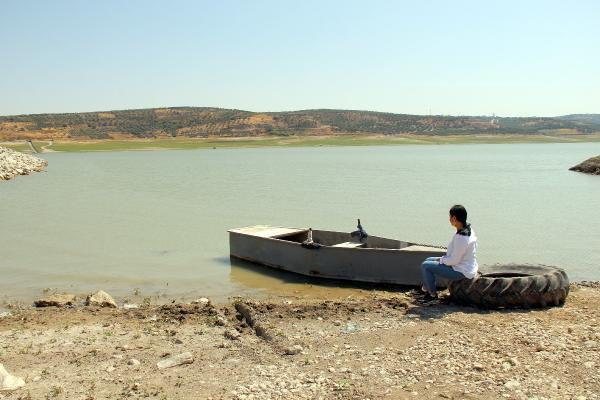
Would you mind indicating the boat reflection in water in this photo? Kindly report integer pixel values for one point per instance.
(257, 279)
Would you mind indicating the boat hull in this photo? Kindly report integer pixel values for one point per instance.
(376, 265)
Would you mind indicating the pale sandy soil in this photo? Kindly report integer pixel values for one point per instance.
(376, 345)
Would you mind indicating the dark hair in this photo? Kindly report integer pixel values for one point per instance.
(460, 212)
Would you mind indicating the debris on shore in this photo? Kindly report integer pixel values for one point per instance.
(374, 344)
(590, 166)
(13, 163)
(56, 300)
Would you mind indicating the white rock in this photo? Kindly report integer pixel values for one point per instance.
(100, 299)
(130, 306)
(296, 349)
(512, 385)
(201, 300)
(8, 381)
(183, 358)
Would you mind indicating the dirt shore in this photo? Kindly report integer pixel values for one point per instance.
(375, 345)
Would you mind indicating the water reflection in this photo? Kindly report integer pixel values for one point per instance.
(263, 278)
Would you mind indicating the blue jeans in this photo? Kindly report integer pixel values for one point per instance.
(432, 267)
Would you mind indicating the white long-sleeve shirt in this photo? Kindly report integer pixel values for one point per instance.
(461, 254)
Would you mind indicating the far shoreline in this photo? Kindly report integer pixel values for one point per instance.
(153, 144)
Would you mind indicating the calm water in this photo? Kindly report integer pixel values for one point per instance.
(157, 221)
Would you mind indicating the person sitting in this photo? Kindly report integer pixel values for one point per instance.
(460, 261)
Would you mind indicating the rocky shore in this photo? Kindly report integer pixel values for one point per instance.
(590, 166)
(13, 163)
(372, 345)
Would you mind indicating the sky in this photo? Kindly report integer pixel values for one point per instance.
(511, 58)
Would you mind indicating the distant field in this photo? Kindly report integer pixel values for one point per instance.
(295, 141)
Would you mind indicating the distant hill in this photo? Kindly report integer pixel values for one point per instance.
(205, 121)
(585, 118)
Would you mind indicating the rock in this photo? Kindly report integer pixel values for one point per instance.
(133, 362)
(589, 166)
(100, 299)
(478, 367)
(512, 385)
(293, 350)
(8, 381)
(13, 163)
(130, 306)
(179, 359)
(232, 334)
(201, 300)
(56, 300)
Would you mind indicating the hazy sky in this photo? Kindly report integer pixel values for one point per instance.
(516, 58)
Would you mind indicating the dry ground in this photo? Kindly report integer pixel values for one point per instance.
(379, 345)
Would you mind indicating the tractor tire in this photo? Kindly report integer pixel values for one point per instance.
(513, 286)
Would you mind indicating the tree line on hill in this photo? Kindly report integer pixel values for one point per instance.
(206, 121)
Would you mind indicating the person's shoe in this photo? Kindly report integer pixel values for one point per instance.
(430, 297)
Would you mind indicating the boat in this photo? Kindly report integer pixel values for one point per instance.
(353, 256)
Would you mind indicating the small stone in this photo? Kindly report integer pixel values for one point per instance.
(296, 349)
(56, 300)
(100, 299)
(512, 385)
(337, 322)
(232, 334)
(36, 378)
(331, 369)
(130, 306)
(110, 368)
(201, 300)
(478, 367)
(133, 362)
(8, 381)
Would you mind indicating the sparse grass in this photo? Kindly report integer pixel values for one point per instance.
(301, 141)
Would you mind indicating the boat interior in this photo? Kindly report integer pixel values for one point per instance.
(344, 239)
(331, 239)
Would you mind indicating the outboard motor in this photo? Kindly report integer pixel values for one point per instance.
(360, 233)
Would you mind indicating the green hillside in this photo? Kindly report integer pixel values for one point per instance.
(216, 122)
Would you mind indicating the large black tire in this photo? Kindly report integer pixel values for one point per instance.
(513, 286)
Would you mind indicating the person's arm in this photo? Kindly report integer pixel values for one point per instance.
(459, 248)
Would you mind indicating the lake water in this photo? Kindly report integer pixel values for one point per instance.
(157, 221)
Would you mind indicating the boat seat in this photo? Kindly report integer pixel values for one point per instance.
(349, 245)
